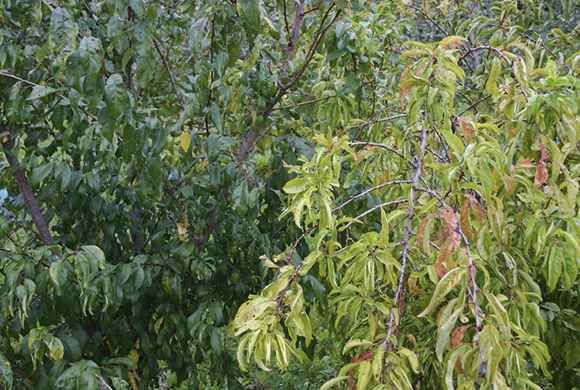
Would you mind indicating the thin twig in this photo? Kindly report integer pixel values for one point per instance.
(313, 9)
(550, 51)
(385, 204)
(472, 106)
(473, 297)
(166, 65)
(439, 157)
(305, 103)
(369, 190)
(12, 76)
(495, 50)
(445, 147)
(320, 33)
(295, 244)
(381, 120)
(430, 19)
(379, 145)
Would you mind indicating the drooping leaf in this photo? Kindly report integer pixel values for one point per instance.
(444, 287)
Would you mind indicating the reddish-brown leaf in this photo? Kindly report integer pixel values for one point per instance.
(459, 366)
(541, 169)
(450, 218)
(541, 174)
(467, 127)
(368, 355)
(441, 262)
(365, 356)
(457, 335)
(526, 163)
(464, 218)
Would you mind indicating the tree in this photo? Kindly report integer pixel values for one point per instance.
(132, 228)
(447, 236)
(422, 157)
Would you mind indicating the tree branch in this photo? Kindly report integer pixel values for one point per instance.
(26, 191)
(367, 212)
(430, 19)
(495, 50)
(400, 292)
(14, 77)
(293, 38)
(320, 33)
(286, 25)
(369, 190)
(166, 65)
(304, 103)
(251, 137)
(382, 146)
(472, 283)
(387, 119)
(475, 104)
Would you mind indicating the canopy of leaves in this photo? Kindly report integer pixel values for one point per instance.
(289, 194)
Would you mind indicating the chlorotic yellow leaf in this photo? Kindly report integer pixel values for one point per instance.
(185, 140)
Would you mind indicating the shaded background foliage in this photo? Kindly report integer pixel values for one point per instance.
(156, 137)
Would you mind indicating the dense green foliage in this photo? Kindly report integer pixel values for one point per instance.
(289, 194)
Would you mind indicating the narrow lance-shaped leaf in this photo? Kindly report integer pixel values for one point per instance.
(444, 287)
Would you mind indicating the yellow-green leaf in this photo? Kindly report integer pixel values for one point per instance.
(296, 185)
(411, 358)
(494, 73)
(353, 343)
(444, 287)
(185, 140)
(334, 381)
(364, 375)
